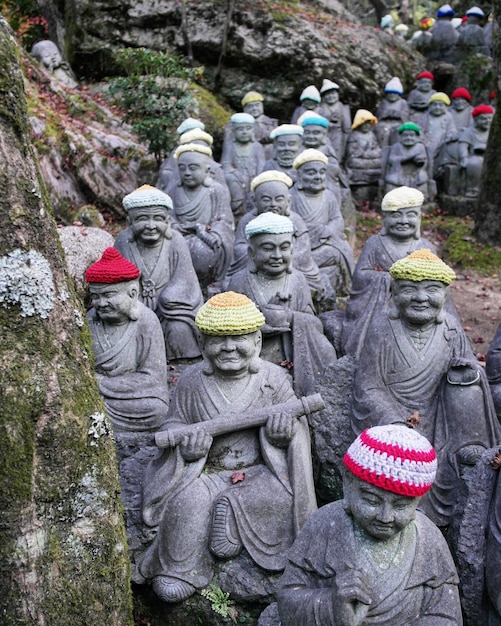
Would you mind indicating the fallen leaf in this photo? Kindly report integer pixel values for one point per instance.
(237, 477)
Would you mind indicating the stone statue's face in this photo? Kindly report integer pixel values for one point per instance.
(459, 104)
(308, 104)
(331, 96)
(424, 84)
(243, 133)
(409, 138)
(113, 303)
(364, 128)
(149, 224)
(311, 176)
(254, 108)
(437, 108)
(391, 96)
(273, 196)
(314, 136)
(287, 147)
(402, 224)
(272, 254)
(48, 54)
(231, 355)
(419, 302)
(483, 121)
(193, 169)
(381, 514)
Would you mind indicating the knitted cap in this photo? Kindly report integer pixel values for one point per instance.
(242, 118)
(401, 28)
(422, 265)
(252, 96)
(426, 23)
(268, 224)
(482, 109)
(328, 85)
(425, 74)
(475, 12)
(146, 195)
(229, 313)
(189, 124)
(395, 458)
(461, 92)
(270, 176)
(409, 126)
(309, 155)
(402, 198)
(196, 134)
(309, 117)
(386, 21)
(445, 10)
(394, 85)
(440, 96)
(362, 116)
(286, 129)
(310, 93)
(192, 147)
(111, 268)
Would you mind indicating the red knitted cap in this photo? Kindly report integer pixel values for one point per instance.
(461, 92)
(425, 74)
(112, 267)
(395, 458)
(482, 109)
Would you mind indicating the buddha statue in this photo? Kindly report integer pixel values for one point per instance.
(49, 56)
(472, 144)
(287, 144)
(309, 101)
(391, 113)
(363, 156)
(419, 97)
(338, 115)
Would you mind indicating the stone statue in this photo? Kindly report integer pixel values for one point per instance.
(439, 132)
(444, 36)
(249, 484)
(252, 103)
(471, 36)
(49, 56)
(320, 210)
(372, 558)
(406, 163)
(242, 160)
(419, 368)
(493, 370)
(387, 24)
(128, 346)
(391, 113)
(270, 192)
(338, 115)
(202, 214)
(287, 145)
(422, 38)
(471, 148)
(418, 98)
(461, 108)
(310, 100)
(292, 335)
(168, 282)
(363, 156)
(400, 235)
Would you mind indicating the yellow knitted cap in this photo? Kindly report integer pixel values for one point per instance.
(402, 198)
(422, 265)
(440, 96)
(229, 313)
(252, 96)
(308, 155)
(362, 116)
(271, 176)
(192, 147)
(196, 134)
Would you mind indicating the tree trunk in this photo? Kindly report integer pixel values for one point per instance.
(63, 554)
(488, 213)
(381, 9)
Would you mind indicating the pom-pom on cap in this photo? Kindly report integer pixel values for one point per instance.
(440, 96)
(308, 155)
(192, 147)
(425, 74)
(286, 129)
(409, 126)
(445, 10)
(482, 109)
(268, 224)
(189, 124)
(395, 458)
(111, 268)
(362, 116)
(394, 85)
(146, 195)
(310, 93)
(271, 176)
(242, 118)
(328, 85)
(252, 96)
(309, 117)
(402, 198)
(229, 313)
(422, 265)
(461, 92)
(196, 134)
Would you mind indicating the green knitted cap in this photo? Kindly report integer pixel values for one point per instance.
(409, 126)
(422, 265)
(229, 313)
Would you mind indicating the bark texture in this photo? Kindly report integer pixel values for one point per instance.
(63, 554)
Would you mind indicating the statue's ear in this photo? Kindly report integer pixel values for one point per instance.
(251, 263)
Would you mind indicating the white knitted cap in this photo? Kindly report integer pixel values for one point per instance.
(286, 129)
(268, 223)
(310, 93)
(402, 198)
(271, 176)
(310, 154)
(188, 124)
(327, 85)
(394, 85)
(242, 118)
(146, 195)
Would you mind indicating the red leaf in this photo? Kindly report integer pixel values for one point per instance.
(237, 477)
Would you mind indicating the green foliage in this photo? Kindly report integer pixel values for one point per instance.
(26, 20)
(220, 602)
(154, 94)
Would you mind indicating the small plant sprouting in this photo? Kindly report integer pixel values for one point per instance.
(220, 602)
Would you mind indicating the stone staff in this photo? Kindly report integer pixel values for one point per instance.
(230, 423)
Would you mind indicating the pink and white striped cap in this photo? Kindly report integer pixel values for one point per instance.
(395, 458)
